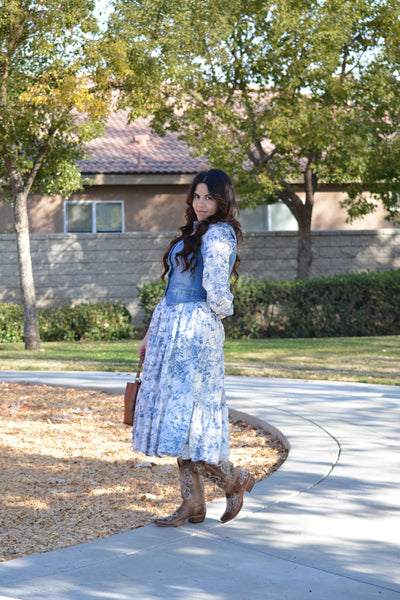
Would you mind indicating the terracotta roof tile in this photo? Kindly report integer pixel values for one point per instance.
(134, 148)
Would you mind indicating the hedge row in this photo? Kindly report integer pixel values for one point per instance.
(365, 304)
(100, 321)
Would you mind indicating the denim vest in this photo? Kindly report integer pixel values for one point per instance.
(187, 286)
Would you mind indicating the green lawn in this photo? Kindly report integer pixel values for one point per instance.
(372, 360)
(366, 360)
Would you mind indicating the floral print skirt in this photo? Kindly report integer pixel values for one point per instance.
(181, 409)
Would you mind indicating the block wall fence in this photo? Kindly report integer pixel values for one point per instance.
(92, 267)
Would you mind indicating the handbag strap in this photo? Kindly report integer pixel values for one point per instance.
(137, 378)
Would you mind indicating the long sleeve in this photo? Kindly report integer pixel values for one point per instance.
(218, 245)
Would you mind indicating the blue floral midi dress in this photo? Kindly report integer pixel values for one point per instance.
(181, 408)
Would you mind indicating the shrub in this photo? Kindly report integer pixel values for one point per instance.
(362, 304)
(99, 321)
(149, 296)
(11, 323)
(258, 309)
(341, 305)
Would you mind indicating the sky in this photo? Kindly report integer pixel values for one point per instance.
(103, 9)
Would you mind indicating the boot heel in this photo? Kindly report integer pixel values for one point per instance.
(250, 484)
(197, 519)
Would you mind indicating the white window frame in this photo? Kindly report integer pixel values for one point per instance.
(94, 204)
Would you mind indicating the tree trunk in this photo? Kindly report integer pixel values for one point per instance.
(31, 323)
(302, 211)
(304, 253)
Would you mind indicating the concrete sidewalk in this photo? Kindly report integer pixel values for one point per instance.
(326, 525)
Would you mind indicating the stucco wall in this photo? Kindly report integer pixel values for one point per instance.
(147, 208)
(111, 266)
(161, 207)
(329, 214)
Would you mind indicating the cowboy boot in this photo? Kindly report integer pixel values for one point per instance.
(234, 481)
(193, 507)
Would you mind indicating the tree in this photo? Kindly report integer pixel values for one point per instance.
(276, 92)
(54, 94)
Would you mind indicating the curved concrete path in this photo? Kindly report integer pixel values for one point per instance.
(326, 525)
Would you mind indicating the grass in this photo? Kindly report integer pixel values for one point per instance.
(365, 360)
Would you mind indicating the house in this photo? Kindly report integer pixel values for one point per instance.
(138, 182)
(104, 242)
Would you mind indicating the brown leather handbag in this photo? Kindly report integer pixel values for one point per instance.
(131, 392)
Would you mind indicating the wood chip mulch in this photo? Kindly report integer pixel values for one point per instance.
(68, 474)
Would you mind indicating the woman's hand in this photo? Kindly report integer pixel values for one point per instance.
(143, 346)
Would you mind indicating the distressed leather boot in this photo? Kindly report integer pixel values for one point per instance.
(193, 507)
(234, 481)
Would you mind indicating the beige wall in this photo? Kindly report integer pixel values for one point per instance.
(328, 213)
(147, 208)
(45, 215)
(161, 208)
(6, 218)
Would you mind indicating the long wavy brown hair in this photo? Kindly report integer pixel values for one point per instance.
(220, 188)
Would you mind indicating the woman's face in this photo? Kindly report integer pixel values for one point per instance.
(203, 204)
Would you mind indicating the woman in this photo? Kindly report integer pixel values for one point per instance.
(181, 409)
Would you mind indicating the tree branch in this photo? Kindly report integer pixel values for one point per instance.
(39, 160)
(15, 36)
(292, 201)
(256, 161)
(308, 181)
(346, 52)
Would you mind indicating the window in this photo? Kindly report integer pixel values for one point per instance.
(268, 217)
(93, 217)
(281, 219)
(396, 198)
